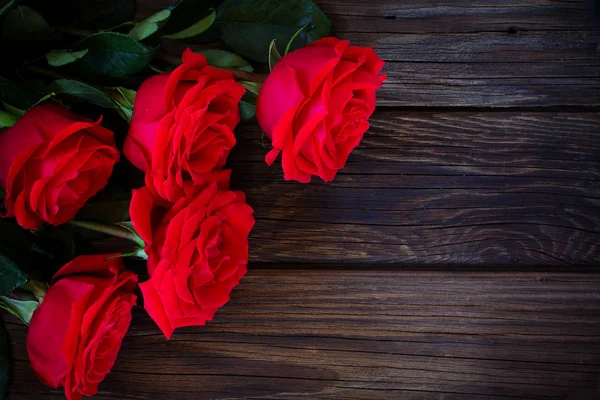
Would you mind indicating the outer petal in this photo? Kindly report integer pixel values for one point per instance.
(313, 64)
(280, 93)
(51, 329)
(97, 265)
(148, 109)
(153, 304)
(140, 211)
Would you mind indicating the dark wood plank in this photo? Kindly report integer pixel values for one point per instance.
(482, 53)
(437, 187)
(339, 334)
(465, 53)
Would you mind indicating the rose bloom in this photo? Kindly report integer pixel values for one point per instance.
(183, 124)
(51, 162)
(197, 250)
(76, 333)
(315, 106)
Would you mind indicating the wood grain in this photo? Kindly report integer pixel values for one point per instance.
(437, 187)
(483, 53)
(482, 195)
(332, 334)
(464, 53)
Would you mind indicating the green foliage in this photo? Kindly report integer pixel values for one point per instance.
(7, 119)
(6, 6)
(23, 309)
(113, 54)
(249, 26)
(14, 110)
(288, 47)
(274, 55)
(123, 100)
(226, 60)
(11, 276)
(79, 91)
(247, 110)
(252, 87)
(196, 29)
(23, 23)
(185, 13)
(150, 25)
(58, 58)
(107, 97)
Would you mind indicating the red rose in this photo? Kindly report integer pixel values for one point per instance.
(51, 162)
(183, 124)
(76, 333)
(197, 250)
(315, 106)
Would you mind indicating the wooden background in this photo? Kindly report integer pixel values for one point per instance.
(453, 257)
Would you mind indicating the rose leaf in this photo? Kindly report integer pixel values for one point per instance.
(113, 54)
(248, 26)
(225, 59)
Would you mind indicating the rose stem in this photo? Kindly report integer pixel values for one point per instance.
(112, 230)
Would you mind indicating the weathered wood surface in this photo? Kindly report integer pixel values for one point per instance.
(497, 190)
(482, 53)
(464, 53)
(437, 187)
(332, 334)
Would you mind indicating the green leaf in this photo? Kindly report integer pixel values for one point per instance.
(13, 110)
(225, 59)
(23, 23)
(123, 100)
(196, 29)
(129, 226)
(6, 5)
(139, 253)
(36, 288)
(252, 87)
(127, 94)
(274, 55)
(247, 110)
(11, 276)
(16, 95)
(123, 230)
(113, 54)
(22, 309)
(185, 13)
(4, 360)
(249, 26)
(150, 25)
(58, 58)
(80, 91)
(43, 99)
(289, 45)
(7, 119)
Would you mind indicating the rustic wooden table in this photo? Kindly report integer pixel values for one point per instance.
(452, 258)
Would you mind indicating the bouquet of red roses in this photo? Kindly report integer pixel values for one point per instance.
(81, 86)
